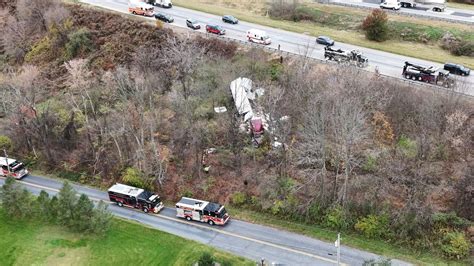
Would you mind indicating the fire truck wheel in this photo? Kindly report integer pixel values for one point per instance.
(210, 222)
(120, 204)
(145, 210)
(188, 218)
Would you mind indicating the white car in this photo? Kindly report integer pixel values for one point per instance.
(394, 5)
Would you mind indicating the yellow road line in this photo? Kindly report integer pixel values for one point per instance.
(206, 227)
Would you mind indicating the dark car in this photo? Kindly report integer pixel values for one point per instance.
(230, 19)
(216, 29)
(164, 17)
(457, 69)
(193, 24)
(325, 40)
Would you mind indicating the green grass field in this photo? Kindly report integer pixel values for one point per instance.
(379, 247)
(31, 243)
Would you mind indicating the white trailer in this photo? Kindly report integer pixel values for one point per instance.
(160, 3)
(435, 5)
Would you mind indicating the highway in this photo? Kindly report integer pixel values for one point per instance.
(387, 63)
(238, 237)
(452, 14)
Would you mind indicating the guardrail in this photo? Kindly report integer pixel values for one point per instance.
(324, 61)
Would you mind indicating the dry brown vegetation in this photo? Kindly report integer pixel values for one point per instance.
(94, 95)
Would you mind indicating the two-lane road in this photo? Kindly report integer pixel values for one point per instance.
(387, 63)
(238, 237)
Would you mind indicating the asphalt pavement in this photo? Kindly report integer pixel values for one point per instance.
(241, 238)
(387, 63)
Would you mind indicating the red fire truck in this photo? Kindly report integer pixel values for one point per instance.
(12, 167)
(203, 211)
(134, 197)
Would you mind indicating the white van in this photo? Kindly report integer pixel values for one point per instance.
(258, 36)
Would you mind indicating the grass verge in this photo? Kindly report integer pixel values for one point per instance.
(353, 240)
(460, 6)
(412, 49)
(33, 243)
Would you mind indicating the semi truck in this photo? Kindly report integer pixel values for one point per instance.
(435, 5)
(133, 197)
(160, 3)
(352, 57)
(202, 211)
(427, 74)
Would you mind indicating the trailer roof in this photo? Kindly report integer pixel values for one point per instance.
(127, 190)
(192, 203)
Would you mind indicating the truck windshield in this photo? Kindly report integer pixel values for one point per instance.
(16, 166)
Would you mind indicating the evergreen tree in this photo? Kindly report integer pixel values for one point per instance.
(53, 209)
(42, 206)
(16, 202)
(66, 203)
(101, 220)
(83, 214)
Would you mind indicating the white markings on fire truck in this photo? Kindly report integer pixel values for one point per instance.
(205, 227)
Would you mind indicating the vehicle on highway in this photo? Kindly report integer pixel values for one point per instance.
(160, 3)
(13, 167)
(230, 19)
(408, 3)
(435, 5)
(457, 69)
(202, 211)
(341, 56)
(427, 74)
(258, 36)
(324, 40)
(193, 24)
(164, 17)
(140, 8)
(216, 29)
(390, 4)
(134, 197)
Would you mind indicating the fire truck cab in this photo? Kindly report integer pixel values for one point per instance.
(202, 211)
(134, 197)
(12, 167)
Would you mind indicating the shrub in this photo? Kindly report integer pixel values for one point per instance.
(450, 221)
(407, 147)
(16, 202)
(375, 25)
(373, 226)
(206, 259)
(41, 51)
(457, 46)
(5, 143)
(79, 42)
(379, 262)
(239, 198)
(336, 218)
(370, 164)
(455, 245)
(133, 177)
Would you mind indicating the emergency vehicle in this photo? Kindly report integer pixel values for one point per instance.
(134, 197)
(203, 211)
(12, 167)
(258, 36)
(137, 7)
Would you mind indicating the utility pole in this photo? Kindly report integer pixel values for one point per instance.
(6, 159)
(338, 246)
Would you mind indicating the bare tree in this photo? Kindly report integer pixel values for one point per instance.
(184, 56)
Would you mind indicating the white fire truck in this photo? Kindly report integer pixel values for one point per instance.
(134, 197)
(13, 168)
(203, 211)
